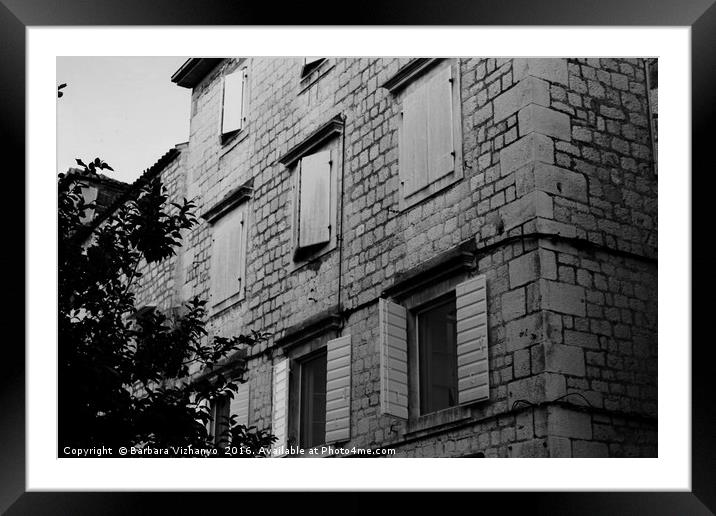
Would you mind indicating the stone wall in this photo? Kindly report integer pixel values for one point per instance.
(557, 206)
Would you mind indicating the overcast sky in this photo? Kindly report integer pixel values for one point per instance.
(124, 110)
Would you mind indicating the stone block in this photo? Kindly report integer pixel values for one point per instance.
(523, 332)
(559, 358)
(524, 269)
(559, 447)
(524, 425)
(568, 423)
(581, 339)
(528, 149)
(529, 449)
(555, 385)
(530, 90)
(521, 363)
(563, 298)
(534, 118)
(553, 69)
(513, 304)
(560, 181)
(548, 264)
(552, 227)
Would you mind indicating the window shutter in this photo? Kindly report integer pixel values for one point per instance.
(338, 390)
(243, 249)
(228, 250)
(393, 359)
(315, 198)
(279, 418)
(472, 361)
(219, 263)
(240, 405)
(413, 142)
(440, 134)
(232, 116)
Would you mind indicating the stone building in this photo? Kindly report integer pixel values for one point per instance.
(452, 257)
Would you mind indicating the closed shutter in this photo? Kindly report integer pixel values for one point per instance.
(413, 166)
(393, 359)
(279, 418)
(472, 361)
(233, 112)
(338, 389)
(440, 124)
(315, 198)
(228, 251)
(240, 405)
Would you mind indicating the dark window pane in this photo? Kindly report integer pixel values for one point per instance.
(437, 340)
(313, 401)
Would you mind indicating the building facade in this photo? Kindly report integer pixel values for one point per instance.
(451, 257)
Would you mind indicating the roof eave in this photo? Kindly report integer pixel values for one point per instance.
(194, 70)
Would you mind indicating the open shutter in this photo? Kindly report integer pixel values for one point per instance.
(440, 134)
(279, 418)
(413, 164)
(393, 359)
(227, 256)
(240, 405)
(232, 115)
(243, 249)
(315, 198)
(472, 364)
(338, 390)
(219, 262)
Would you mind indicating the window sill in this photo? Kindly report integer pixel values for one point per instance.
(303, 258)
(435, 421)
(430, 191)
(223, 306)
(232, 139)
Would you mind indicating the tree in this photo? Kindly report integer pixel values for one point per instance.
(124, 373)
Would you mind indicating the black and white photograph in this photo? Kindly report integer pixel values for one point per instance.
(418, 234)
(357, 257)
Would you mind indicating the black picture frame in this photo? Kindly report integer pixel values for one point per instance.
(700, 15)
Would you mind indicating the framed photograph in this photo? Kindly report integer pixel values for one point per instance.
(438, 241)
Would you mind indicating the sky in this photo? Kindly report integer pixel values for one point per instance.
(123, 110)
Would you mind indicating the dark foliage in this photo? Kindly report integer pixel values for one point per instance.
(124, 373)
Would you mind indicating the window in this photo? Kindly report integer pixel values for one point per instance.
(430, 143)
(315, 163)
(433, 350)
(219, 422)
(222, 410)
(228, 259)
(437, 355)
(312, 396)
(314, 200)
(312, 401)
(233, 115)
